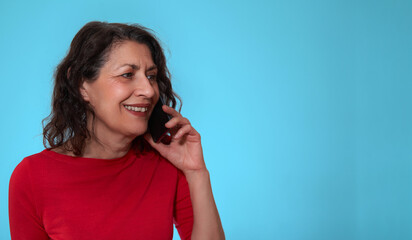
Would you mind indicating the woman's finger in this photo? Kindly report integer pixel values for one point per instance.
(171, 111)
(183, 131)
(176, 121)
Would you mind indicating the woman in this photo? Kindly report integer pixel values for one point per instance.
(101, 175)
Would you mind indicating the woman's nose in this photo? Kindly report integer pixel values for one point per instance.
(144, 87)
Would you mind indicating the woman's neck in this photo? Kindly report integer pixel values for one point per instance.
(104, 142)
(96, 148)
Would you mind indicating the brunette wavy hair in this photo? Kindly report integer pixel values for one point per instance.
(89, 50)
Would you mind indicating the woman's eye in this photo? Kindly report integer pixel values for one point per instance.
(127, 75)
(152, 77)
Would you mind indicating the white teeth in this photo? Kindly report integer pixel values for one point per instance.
(136, 109)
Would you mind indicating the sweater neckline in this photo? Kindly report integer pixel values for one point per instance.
(85, 160)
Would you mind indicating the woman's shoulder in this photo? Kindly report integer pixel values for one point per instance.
(23, 172)
(36, 161)
(35, 157)
(31, 160)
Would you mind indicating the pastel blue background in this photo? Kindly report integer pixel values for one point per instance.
(304, 107)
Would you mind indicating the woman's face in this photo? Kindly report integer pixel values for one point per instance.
(124, 94)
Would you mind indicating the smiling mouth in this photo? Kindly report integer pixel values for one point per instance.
(136, 109)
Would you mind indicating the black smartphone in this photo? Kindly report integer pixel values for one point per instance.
(157, 122)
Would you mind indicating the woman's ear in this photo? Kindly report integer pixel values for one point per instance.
(83, 92)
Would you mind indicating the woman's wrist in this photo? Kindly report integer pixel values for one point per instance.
(196, 174)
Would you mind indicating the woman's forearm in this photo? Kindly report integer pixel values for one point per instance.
(207, 224)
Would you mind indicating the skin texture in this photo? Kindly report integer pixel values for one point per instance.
(114, 127)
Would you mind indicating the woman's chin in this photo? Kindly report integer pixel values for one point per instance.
(139, 132)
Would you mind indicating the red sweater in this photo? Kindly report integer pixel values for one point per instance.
(138, 196)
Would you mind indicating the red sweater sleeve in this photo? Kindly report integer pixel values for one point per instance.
(183, 212)
(25, 221)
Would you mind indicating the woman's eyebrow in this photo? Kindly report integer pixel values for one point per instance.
(154, 67)
(135, 67)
